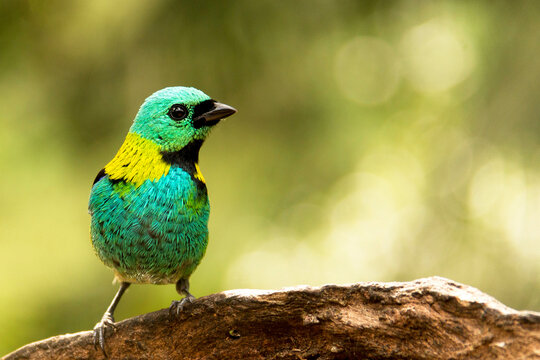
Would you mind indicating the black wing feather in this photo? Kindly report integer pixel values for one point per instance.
(101, 174)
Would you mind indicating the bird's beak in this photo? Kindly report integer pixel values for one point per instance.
(214, 115)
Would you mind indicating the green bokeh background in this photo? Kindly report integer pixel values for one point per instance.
(382, 141)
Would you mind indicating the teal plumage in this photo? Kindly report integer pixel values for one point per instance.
(149, 205)
(155, 233)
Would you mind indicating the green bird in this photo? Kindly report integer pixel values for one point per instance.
(149, 204)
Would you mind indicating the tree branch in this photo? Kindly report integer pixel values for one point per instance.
(432, 318)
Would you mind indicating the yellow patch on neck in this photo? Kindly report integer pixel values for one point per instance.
(137, 160)
(198, 174)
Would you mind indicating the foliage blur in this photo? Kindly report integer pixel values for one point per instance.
(375, 141)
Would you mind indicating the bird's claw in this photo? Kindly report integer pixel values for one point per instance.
(177, 306)
(107, 321)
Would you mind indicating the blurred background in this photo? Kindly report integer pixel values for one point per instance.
(375, 141)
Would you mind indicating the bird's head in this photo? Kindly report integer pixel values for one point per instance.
(176, 116)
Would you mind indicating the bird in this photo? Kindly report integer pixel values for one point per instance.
(149, 205)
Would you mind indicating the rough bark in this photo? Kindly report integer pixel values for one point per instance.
(431, 318)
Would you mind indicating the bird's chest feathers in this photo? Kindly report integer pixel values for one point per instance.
(153, 185)
(175, 198)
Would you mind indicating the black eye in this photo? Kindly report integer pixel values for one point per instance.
(177, 112)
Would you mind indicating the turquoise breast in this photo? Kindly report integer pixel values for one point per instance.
(155, 233)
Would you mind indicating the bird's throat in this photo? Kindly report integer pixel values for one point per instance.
(187, 159)
(188, 154)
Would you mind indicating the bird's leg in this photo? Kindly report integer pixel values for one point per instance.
(182, 287)
(108, 319)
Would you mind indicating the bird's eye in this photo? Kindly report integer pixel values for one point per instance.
(177, 112)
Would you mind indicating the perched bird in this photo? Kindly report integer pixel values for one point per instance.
(149, 205)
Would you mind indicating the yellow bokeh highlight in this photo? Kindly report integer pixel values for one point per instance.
(435, 57)
(507, 201)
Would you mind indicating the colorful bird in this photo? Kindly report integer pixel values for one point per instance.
(149, 205)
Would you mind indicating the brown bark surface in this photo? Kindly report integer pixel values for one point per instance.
(431, 318)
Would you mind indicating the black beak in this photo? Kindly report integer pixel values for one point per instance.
(213, 114)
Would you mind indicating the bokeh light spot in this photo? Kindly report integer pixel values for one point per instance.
(367, 70)
(435, 57)
(486, 187)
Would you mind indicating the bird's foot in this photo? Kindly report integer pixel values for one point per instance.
(177, 306)
(107, 321)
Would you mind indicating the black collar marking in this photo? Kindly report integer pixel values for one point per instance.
(186, 158)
